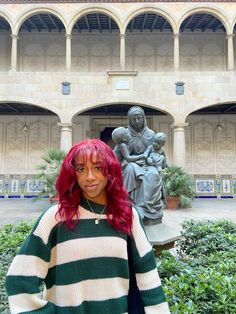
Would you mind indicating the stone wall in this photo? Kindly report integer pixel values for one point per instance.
(95, 53)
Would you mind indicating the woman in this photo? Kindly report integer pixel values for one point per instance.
(78, 248)
(145, 190)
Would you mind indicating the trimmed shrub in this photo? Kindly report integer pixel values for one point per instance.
(201, 279)
(11, 238)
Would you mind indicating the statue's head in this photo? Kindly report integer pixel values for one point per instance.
(137, 119)
(159, 140)
(120, 135)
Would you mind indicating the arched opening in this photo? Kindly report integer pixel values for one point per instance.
(102, 120)
(26, 132)
(211, 138)
(95, 43)
(202, 43)
(149, 43)
(5, 45)
(42, 44)
(234, 42)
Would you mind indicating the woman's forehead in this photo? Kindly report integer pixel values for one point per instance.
(84, 157)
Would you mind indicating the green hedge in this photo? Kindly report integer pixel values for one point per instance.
(11, 238)
(199, 279)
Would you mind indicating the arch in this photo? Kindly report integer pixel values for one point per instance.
(205, 9)
(213, 104)
(80, 13)
(233, 26)
(88, 106)
(158, 11)
(7, 18)
(30, 12)
(32, 102)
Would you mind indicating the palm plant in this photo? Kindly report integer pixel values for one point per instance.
(178, 183)
(49, 170)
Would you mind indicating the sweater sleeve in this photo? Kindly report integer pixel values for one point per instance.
(147, 277)
(27, 273)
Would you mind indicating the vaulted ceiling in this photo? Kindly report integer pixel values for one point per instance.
(97, 22)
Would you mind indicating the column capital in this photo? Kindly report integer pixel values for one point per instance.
(122, 36)
(176, 35)
(68, 36)
(68, 125)
(229, 36)
(14, 36)
(179, 125)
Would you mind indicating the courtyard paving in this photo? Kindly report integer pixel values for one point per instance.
(17, 210)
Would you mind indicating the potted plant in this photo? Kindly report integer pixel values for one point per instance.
(48, 172)
(178, 187)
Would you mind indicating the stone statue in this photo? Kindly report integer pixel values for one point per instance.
(142, 158)
(155, 154)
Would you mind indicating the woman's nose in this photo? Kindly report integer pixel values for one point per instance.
(90, 175)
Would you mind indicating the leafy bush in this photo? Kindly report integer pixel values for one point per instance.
(201, 239)
(11, 238)
(201, 279)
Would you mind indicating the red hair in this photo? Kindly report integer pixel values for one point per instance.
(118, 209)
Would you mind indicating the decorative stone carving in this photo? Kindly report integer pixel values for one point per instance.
(225, 147)
(15, 138)
(55, 135)
(203, 147)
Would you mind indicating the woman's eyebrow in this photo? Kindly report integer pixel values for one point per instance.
(79, 165)
(96, 163)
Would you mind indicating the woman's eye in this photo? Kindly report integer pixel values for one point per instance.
(98, 168)
(80, 169)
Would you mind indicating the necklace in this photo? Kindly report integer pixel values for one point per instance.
(97, 220)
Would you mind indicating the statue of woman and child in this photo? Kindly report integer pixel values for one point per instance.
(139, 150)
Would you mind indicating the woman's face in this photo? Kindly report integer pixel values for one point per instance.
(137, 122)
(91, 179)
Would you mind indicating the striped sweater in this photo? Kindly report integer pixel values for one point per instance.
(84, 270)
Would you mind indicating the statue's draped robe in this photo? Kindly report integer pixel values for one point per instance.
(143, 183)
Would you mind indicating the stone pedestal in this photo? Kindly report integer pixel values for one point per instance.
(162, 237)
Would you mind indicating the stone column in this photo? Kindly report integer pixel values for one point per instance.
(230, 52)
(66, 136)
(14, 52)
(176, 52)
(68, 52)
(122, 51)
(179, 152)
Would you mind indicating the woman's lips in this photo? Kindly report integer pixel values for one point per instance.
(91, 187)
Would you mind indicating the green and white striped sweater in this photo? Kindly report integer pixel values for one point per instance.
(85, 270)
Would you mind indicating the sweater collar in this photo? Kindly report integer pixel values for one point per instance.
(97, 208)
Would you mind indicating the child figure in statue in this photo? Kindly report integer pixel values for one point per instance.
(155, 154)
(121, 137)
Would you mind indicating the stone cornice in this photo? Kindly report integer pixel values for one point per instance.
(102, 1)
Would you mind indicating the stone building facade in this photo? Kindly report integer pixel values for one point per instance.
(115, 54)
